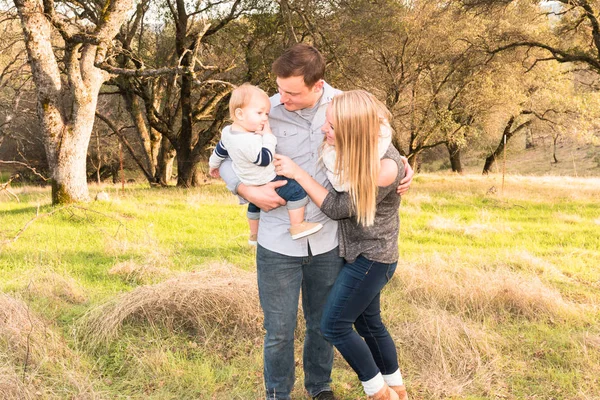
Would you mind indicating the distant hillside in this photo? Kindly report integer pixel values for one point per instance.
(574, 159)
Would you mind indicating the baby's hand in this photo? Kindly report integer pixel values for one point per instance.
(266, 129)
(214, 172)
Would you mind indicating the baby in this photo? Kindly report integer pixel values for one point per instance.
(250, 144)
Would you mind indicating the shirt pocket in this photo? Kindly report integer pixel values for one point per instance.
(287, 140)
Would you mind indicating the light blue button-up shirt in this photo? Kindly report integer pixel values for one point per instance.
(300, 140)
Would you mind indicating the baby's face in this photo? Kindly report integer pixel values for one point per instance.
(327, 127)
(253, 116)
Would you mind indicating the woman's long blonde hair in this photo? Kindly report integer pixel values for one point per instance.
(357, 117)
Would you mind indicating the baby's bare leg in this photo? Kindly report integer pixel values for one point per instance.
(296, 216)
(253, 224)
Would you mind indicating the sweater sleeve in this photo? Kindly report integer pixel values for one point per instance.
(218, 155)
(261, 150)
(338, 205)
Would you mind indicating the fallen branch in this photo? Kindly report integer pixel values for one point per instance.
(68, 208)
(4, 187)
(37, 216)
(26, 166)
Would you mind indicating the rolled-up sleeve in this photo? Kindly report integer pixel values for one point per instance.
(229, 176)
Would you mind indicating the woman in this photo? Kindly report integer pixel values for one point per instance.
(368, 236)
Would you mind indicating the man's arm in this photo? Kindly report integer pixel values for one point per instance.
(264, 197)
(408, 177)
(228, 175)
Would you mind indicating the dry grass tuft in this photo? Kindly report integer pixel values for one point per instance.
(11, 385)
(450, 355)
(130, 271)
(30, 350)
(568, 218)
(221, 299)
(24, 335)
(54, 286)
(480, 293)
(475, 229)
(146, 246)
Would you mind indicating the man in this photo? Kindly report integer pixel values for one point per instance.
(284, 266)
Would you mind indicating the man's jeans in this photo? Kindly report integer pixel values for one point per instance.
(354, 300)
(280, 278)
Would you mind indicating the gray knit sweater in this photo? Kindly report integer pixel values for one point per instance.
(378, 242)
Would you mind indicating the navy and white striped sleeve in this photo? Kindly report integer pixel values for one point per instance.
(218, 155)
(265, 157)
(221, 151)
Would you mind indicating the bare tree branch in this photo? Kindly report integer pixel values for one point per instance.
(26, 166)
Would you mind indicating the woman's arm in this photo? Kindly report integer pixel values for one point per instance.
(286, 167)
(336, 205)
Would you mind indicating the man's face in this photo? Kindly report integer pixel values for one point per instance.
(295, 95)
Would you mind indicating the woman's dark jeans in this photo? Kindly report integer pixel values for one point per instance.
(354, 300)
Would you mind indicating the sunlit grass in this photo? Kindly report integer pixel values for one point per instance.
(497, 292)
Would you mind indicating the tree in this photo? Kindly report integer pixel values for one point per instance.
(67, 82)
(406, 54)
(573, 38)
(185, 96)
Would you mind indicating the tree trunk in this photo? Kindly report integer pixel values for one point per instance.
(454, 152)
(66, 107)
(508, 133)
(135, 110)
(166, 157)
(529, 142)
(413, 161)
(554, 142)
(186, 166)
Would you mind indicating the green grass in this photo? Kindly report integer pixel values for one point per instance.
(455, 340)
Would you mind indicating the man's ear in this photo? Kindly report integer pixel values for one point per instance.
(239, 113)
(318, 85)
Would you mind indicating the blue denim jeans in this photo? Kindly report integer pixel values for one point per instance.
(280, 279)
(354, 300)
(291, 192)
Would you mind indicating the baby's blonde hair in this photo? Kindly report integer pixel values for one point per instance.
(242, 96)
(357, 117)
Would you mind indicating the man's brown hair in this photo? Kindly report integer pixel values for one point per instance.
(301, 60)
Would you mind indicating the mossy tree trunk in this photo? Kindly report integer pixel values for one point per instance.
(454, 153)
(67, 96)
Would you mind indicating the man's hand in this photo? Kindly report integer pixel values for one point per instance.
(408, 177)
(214, 172)
(264, 197)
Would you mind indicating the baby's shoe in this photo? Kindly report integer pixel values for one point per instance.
(304, 229)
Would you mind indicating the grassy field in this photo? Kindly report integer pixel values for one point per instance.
(152, 295)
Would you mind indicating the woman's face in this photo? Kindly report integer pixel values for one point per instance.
(327, 127)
